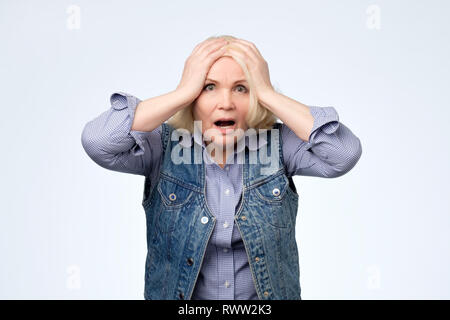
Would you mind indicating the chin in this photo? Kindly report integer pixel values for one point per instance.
(224, 137)
(224, 141)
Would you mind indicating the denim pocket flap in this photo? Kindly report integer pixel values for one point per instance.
(274, 189)
(172, 193)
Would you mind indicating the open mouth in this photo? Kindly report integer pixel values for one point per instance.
(224, 123)
(225, 126)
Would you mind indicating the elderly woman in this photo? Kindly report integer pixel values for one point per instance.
(220, 228)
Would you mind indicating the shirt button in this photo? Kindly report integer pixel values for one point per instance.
(244, 218)
(257, 259)
(204, 220)
(276, 192)
(227, 191)
(227, 284)
(266, 294)
(181, 295)
(225, 224)
(225, 250)
(190, 262)
(227, 168)
(172, 197)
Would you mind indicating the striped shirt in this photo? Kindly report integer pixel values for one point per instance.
(332, 150)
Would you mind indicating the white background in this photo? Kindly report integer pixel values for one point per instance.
(70, 229)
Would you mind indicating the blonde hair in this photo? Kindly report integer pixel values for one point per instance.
(258, 117)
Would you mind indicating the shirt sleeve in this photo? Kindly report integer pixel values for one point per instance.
(332, 149)
(110, 142)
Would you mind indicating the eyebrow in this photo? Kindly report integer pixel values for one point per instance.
(242, 80)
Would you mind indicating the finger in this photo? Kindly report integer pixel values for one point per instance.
(212, 45)
(250, 55)
(217, 53)
(201, 45)
(239, 54)
(198, 46)
(250, 45)
(205, 42)
(247, 48)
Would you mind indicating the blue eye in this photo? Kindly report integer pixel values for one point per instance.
(212, 84)
(245, 89)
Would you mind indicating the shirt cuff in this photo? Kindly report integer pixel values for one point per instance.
(326, 119)
(121, 100)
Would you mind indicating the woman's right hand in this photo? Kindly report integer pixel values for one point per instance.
(198, 64)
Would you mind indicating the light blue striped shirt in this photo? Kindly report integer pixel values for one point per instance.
(332, 150)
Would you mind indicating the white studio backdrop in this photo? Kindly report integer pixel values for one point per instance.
(72, 230)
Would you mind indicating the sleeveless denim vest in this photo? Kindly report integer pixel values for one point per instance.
(179, 224)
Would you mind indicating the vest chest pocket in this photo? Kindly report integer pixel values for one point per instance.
(274, 190)
(175, 200)
(172, 194)
(273, 203)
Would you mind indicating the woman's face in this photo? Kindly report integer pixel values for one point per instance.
(224, 102)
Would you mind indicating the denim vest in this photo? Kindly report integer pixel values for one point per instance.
(179, 224)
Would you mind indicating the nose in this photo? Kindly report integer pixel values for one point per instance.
(226, 102)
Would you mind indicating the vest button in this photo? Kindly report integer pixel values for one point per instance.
(190, 262)
(276, 192)
(266, 294)
(244, 218)
(204, 220)
(181, 295)
(172, 197)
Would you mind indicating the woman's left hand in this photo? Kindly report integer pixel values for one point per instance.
(257, 66)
